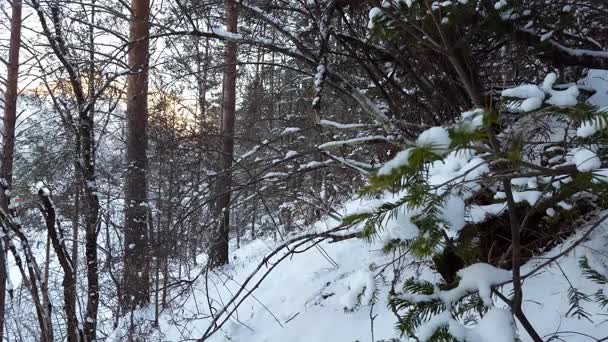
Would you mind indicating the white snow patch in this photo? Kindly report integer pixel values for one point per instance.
(401, 159)
(438, 138)
(586, 160)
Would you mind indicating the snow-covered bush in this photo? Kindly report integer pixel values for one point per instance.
(508, 176)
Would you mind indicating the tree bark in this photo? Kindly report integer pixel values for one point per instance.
(136, 287)
(218, 240)
(8, 143)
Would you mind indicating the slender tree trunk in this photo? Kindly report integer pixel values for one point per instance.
(136, 283)
(218, 253)
(8, 146)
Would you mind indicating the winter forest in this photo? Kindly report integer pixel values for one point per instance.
(304, 170)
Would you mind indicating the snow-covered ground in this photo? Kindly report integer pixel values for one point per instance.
(304, 297)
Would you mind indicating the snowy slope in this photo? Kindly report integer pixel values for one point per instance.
(303, 298)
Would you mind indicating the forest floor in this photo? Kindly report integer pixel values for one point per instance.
(304, 297)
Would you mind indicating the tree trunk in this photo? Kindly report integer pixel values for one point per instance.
(136, 287)
(218, 240)
(8, 146)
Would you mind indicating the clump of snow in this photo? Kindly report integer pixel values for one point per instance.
(41, 188)
(480, 277)
(314, 164)
(521, 196)
(527, 196)
(600, 176)
(500, 4)
(290, 130)
(226, 34)
(524, 92)
(453, 212)
(475, 168)
(400, 226)
(530, 182)
(531, 94)
(497, 325)
(546, 36)
(564, 98)
(401, 159)
(480, 213)
(438, 138)
(471, 120)
(290, 154)
(549, 82)
(559, 98)
(586, 160)
(249, 153)
(353, 141)
(428, 329)
(373, 13)
(274, 175)
(340, 125)
(590, 127)
(361, 290)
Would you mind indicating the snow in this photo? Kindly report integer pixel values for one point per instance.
(399, 160)
(564, 205)
(361, 287)
(290, 154)
(340, 125)
(533, 95)
(438, 138)
(531, 197)
(249, 153)
(524, 92)
(225, 34)
(586, 160)
(496, 325)
(275, 175)
(500, 4)
(564, 98)
(527, 196)
(549, 82)
(318, 291)
(453, 212)
(480, 277)
(290, 130)
(41, 187)
(314, 164)
(399, 226)
(600, 176)
(532, 99)
(354, 141)
(590, 127)
(373, 13)
(480, 213)
(598, 81)
(546, 36)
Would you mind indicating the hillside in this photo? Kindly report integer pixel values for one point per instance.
(304, 298)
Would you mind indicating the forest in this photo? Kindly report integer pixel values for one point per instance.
(304, 170)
